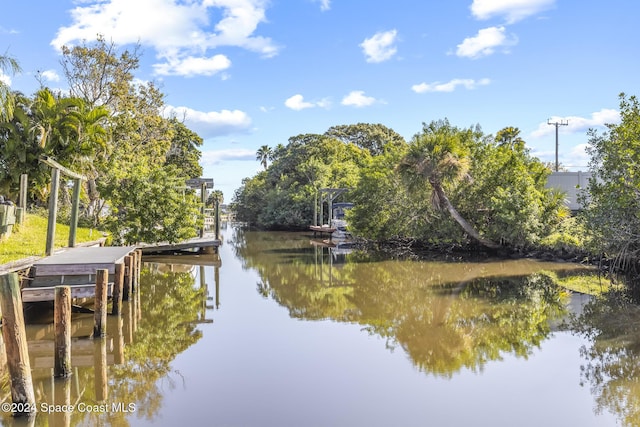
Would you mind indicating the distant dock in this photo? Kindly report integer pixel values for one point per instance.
(205, 244)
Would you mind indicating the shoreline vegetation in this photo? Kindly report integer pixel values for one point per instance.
(453, 190)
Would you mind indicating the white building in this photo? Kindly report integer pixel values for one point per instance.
(572, 183)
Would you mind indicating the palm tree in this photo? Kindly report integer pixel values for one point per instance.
(438, 157)
(11, 66)
(510, 137)
(264, 154)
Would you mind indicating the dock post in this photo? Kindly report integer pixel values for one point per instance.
(139, 269)
(75, 208)
(100, 309)
(53, 211)
(203, 200)
(22, 199)
(15, 340)
(128, 267)
(118, 283)
(62, 327)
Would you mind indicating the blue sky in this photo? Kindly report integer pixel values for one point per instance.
(245, 73)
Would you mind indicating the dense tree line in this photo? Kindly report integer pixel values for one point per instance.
(446, 185)
(108, 127)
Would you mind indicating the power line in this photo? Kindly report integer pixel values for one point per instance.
(556, 124)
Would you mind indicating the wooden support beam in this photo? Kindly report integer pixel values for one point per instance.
(68, 172)
(128, 267)
(75, 209)
(100, 308)
(53, 211)
(22, 198)
(203, 200)
(62, 326)
(15, 340)
(118, 286)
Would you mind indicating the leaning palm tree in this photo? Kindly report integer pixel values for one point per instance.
(264, 154)
(8, 65)
(438, 157)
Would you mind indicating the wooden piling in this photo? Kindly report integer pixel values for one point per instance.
(100, 307)
(134, 271)
(15, 339)
(53, 211)
(75, 208)
(138, 268)
(128, 270)
(62, 327)
(118, 284)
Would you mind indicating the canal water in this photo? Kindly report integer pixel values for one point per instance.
(285, 331)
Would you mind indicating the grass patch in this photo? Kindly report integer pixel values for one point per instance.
(30, 238)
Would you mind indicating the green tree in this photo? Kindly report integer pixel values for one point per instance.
(507, 200)
(440, 156)
(49, 124)
(373, 137)
(146, 152)
(184, 152)
(153, 207)
(613, 214)
(264, 154)
(8, 65)
(282, 196)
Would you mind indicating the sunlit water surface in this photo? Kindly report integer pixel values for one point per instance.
(283, 332)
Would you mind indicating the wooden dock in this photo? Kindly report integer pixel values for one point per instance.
(75, 267)
(202, 243)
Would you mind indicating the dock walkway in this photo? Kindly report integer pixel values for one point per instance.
(75, 267)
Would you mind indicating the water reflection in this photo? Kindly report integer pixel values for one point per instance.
(124, 375)
(612, 359)
(445, 315)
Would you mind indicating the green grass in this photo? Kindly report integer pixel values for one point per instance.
(30, 238)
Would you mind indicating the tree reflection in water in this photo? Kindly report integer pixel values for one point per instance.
(612, 361)
(446, 315)
(156, 325)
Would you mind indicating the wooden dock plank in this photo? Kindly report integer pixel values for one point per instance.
(47, 293)
(77, 261)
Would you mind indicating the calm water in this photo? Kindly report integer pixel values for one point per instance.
(285, 333)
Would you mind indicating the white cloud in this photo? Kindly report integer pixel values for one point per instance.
(380, 47)
(5, 78)
(324, 5)
(50, 75)
(512, 10)
(449, 86)
(192, 66)
(214, 157)
(297, 102)
(485, 43)
(212, 123)
(357, 98)
(181, 33)
(576, 124)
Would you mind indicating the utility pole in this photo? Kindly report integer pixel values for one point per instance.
(556, 124)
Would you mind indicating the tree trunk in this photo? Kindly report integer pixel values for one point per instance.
(468, 228)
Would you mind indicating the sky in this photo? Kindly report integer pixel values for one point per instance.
(247, 73)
